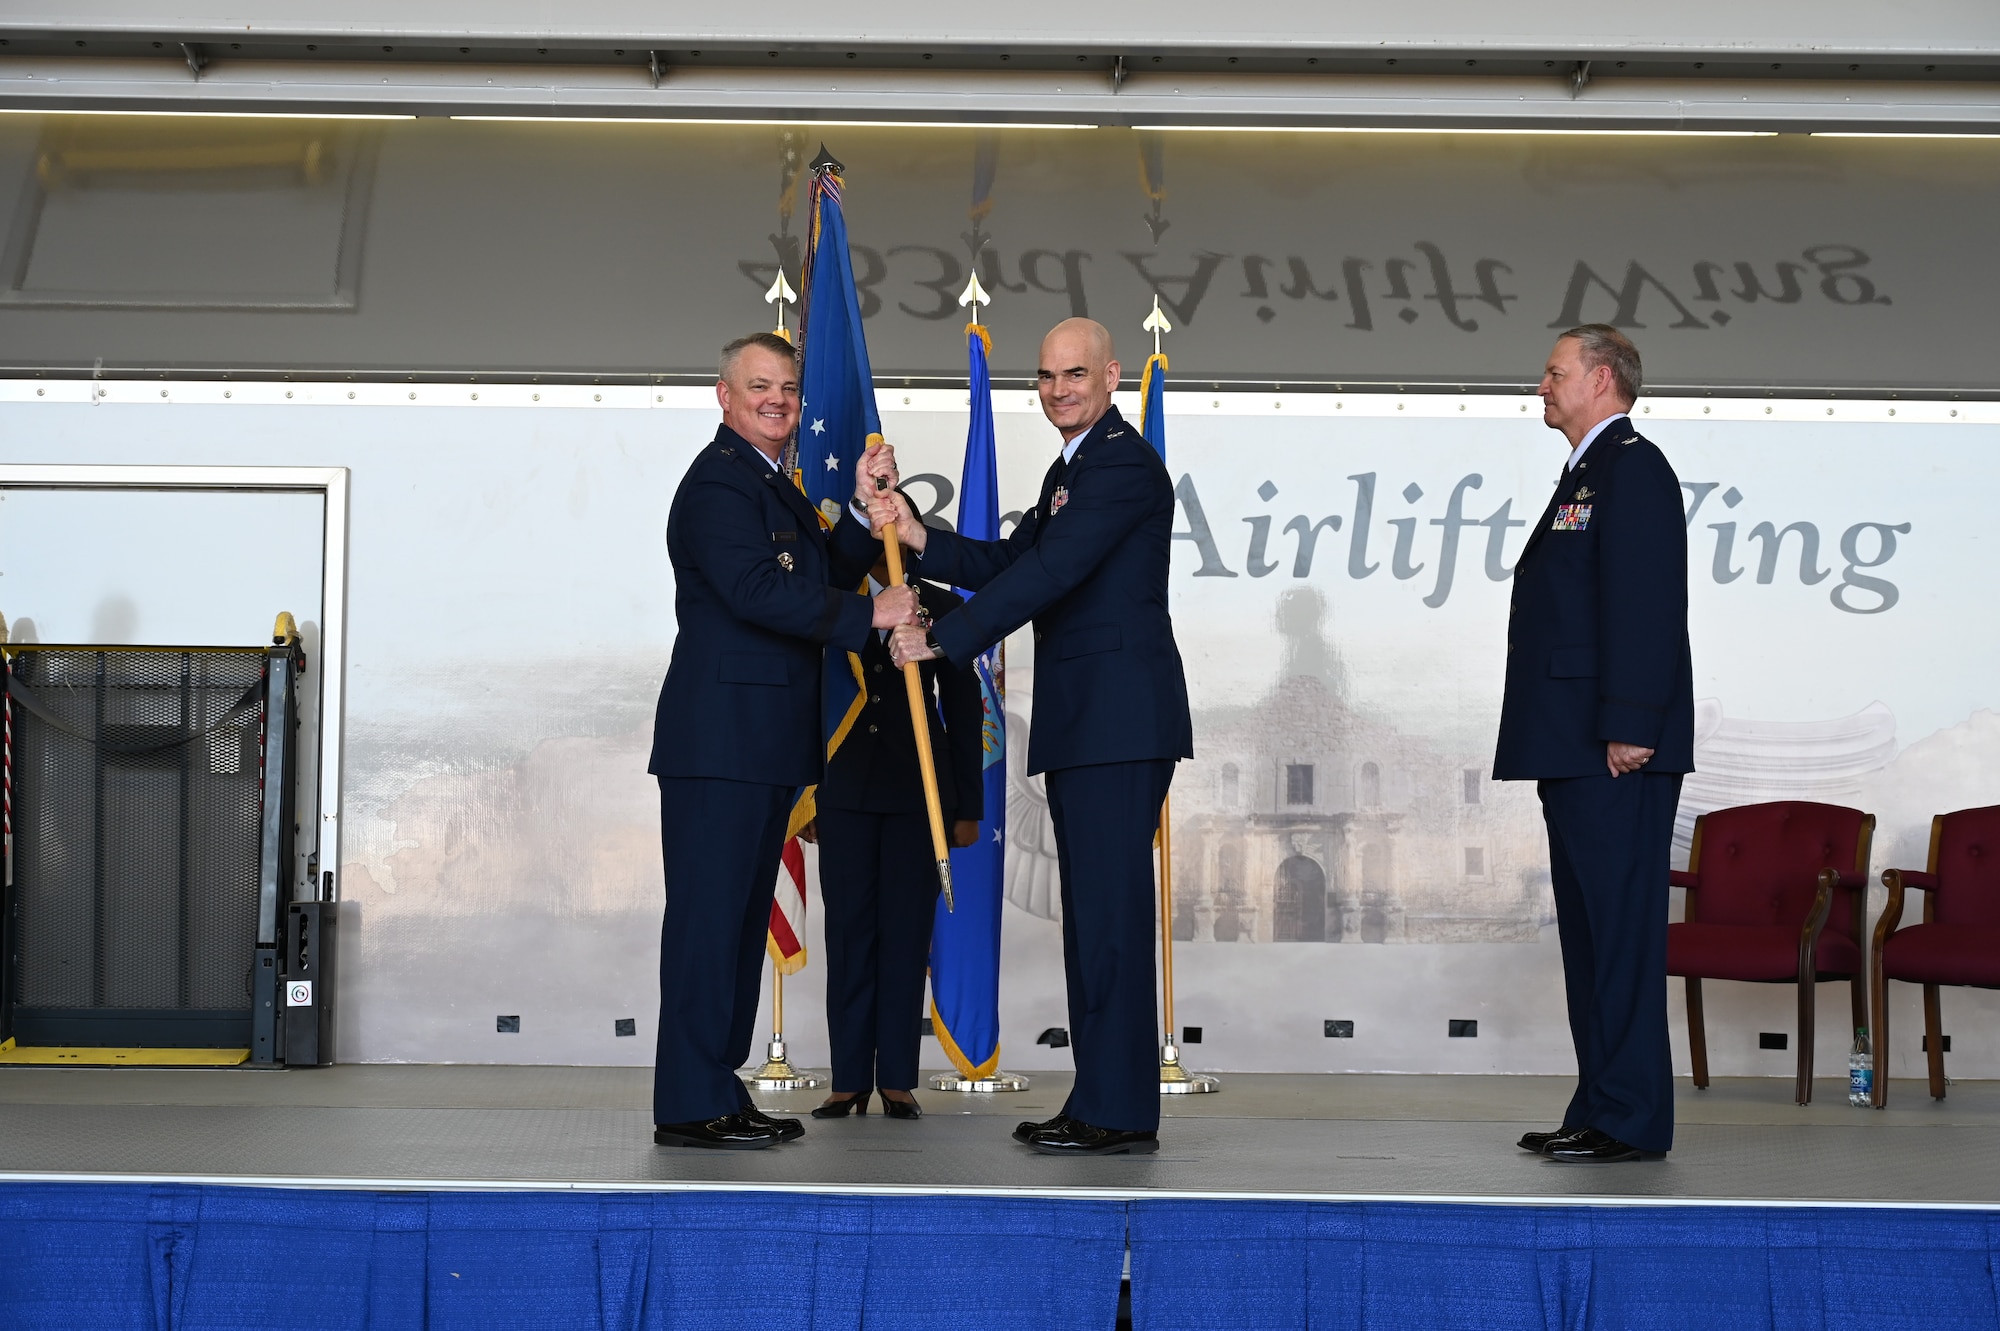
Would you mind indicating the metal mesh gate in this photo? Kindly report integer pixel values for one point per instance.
(136, 817)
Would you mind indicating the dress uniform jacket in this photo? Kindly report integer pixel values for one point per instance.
(758, 587)
(1088, 564)
(1597, 643)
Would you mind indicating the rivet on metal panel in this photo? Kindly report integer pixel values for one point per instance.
(228, 393)
(1399, 406)
(40, 391)
(1704, 411)
(413, 397)
(350, 394)
(1829, 411)
(1767, 411)
(1461, 406)
(163, 393)
(475, 397)
(1892, 411)
(1954, 410)
(538, 397)
(288, 392)
(597, 397)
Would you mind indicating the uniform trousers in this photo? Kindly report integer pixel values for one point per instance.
(720, 841)
(1609, 842)
(1105, 818)
(878, 878)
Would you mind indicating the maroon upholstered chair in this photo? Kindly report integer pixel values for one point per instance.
(1959, 939)
(1774, 897)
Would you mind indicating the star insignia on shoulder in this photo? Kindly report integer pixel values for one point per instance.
(728, 452)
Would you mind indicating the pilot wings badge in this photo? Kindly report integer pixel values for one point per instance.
(1584, 492)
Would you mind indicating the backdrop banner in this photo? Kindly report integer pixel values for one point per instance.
(1340, 588)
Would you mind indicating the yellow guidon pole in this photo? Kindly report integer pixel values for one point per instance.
(913, 681)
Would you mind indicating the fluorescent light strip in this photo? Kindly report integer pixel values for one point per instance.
(1456, 129)
(790, 124)
(1991, 136)
(236, 115)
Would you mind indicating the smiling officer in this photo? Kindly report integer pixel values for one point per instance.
(757, 591)
(1599, 713)
(1088, 564)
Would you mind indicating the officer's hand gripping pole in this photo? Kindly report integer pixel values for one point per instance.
(913, 681)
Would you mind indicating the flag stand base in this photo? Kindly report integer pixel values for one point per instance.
(999, 1081)
(1177, 1080)
(778, 1074)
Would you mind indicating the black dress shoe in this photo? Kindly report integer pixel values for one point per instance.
(788, 1129)
(730, 1132)
(1023, 1131)
(1591, 1147)
(906, 1109)
(1539, 1142)
(1075, 1137)
(853, 1104)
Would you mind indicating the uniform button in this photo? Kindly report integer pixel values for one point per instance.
(877, 669)
(871, 730)
(874, 697)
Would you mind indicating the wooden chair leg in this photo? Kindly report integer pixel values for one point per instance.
(1934, 1039)
(1806, 997)
(1857, 988)
(1697, 1034)
(1878, 1034)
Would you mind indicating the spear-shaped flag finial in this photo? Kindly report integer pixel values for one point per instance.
(781, 292)
(826, 161)
(974, 295)
(1156, 323)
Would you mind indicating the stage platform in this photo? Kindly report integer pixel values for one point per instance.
(1286, 1200)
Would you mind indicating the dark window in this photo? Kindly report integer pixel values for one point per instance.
(1299, 783)
(1231, 781)
(1475, 862)
(1371, 786)
(1473, 783)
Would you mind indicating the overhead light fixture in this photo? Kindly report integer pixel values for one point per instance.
(205, 114)
(1459, 129)
(795, 123)
(1991, 135)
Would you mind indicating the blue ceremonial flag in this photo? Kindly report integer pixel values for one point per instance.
(837, 415)
(1153, 403)
(837, 421)
(965, 944)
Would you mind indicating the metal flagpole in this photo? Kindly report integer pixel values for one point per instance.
(777, 1073)
(1174, 1079)
(999, 1079)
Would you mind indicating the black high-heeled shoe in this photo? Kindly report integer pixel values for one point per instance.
(908, 1109)
(856, 1104)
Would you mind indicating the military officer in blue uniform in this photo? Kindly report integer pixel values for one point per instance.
(877, 872)
(1088, 565)
(758, 590)
(1599, 713)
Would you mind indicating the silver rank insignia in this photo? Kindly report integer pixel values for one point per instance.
(785, 560)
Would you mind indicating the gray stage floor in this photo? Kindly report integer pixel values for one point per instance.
(1279, 1136)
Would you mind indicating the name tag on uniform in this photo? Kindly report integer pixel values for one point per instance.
(1571, 517)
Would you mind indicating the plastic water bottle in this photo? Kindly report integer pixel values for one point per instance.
(1861, 1070)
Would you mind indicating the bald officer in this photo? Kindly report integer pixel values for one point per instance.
(1088, 565)
(1599, 713)
(758, 591)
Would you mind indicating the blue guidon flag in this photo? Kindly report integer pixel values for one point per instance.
(965, 943)
(837, 422)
